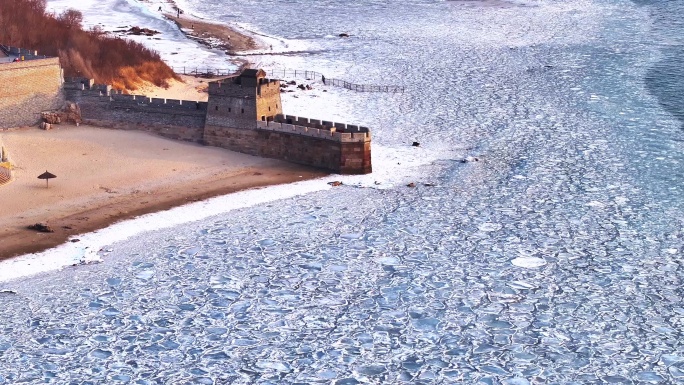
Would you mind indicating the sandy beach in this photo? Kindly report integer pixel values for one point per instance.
(215, 35)
(105, 176)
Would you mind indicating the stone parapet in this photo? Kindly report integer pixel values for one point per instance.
(327, 134)
(320, 124)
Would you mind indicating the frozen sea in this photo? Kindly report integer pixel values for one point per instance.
(554, 259)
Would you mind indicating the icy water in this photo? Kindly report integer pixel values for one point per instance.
(554, 259)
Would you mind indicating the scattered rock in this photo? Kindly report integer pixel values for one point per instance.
(325, 90)
(416, 144)
(41, 227)
(83, 263)
(470, 159)
(429, 184)
(411, 185)
(335, 183)
(51, 117)
(67, 227)
(308, 87)
(75, 240)
(292, 83)
(343, 34)
(6, 291)
(70, 113)
(141, 31)
(301, 87)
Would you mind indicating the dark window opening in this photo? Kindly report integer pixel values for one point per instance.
(229, 109)
(216, 108)
(243, 110)
(269, 109)
(263, 118)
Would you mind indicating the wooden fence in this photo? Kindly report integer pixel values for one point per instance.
(313, 75)
(287, 73)
(204, 72)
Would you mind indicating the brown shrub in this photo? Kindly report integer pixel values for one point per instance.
(123, 63)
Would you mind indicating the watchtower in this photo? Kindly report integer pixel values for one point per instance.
(240, 101)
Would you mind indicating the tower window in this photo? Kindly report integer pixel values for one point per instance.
(243, 110)
(269, 109)
(229, 109)
(216, 108)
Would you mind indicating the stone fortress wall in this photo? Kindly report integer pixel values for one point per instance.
(28, 88)
(101, 106)
(244, 113)
(239, 102)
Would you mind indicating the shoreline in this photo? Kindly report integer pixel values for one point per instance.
(163, 174)
(82, 218)
(224, 37)
(18, 240)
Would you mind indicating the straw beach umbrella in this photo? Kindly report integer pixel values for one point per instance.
(47, 176)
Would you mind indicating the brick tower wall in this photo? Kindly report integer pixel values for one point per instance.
(28, 88)
(241, 105)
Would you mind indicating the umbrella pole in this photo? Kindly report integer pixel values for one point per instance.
(46, 183)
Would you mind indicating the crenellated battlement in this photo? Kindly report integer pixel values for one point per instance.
(243, 113)
(323, 133)
(22, 54)
(320, 124)
(88, 88)
(229, 86)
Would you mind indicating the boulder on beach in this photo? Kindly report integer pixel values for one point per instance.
(41, 227)
(135, 30)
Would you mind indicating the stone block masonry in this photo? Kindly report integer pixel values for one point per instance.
(244, 114)
(170, 118)
(28, 88)
(340, 153)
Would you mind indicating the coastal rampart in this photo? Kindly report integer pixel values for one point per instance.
(243, 114)
(341, 152)
(28, 88)
(104, 107)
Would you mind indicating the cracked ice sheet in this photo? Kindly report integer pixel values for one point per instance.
(408, 286)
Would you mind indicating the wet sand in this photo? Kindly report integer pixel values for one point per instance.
(215, 35)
